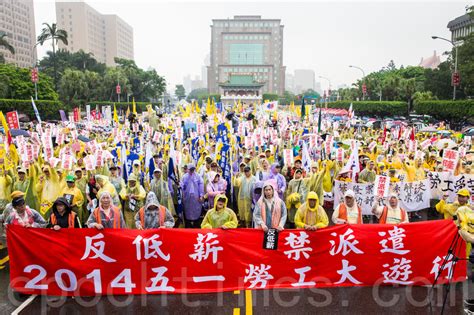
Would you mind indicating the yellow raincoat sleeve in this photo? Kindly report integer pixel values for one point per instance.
(233, 222)
(327, 180)
(124, 193)
(206, 223)
(78, 198)
(323, 220)
(410, 169)
(141, 194)
(446, 209)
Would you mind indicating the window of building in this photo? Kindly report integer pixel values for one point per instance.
(246, 54)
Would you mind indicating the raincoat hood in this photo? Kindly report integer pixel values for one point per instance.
(63, 201)
(102, 179)
(211, 175)
(220, 196)
(151, 200)
(314, 196)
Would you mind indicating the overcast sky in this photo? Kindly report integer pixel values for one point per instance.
(326, 36)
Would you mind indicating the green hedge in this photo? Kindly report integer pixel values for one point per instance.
(453, 111)
(372, 108)
(47, 109)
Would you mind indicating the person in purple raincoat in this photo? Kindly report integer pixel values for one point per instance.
(280, 179)
(192, 185)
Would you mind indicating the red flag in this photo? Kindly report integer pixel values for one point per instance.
(412, 135)
(384, 134)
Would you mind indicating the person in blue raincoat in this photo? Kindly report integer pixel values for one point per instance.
(192, 185)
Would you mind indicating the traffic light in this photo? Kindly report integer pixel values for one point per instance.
(364, 89)
(456, 79)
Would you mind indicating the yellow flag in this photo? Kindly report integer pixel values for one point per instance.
(198, 110)
(134, 106)
(208, 107)
(116, 119)
(4, 123)
(128, 112)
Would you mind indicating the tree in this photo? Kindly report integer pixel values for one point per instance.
(51, 32)
(15, 83)
(197, 94)
(438, 81)
(144, 85)
(288, 97)
(180, 92)
(73, 85)
(82, 59)
(466, 65)
(109, 82)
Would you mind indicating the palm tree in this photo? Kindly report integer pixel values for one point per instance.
(4, 43)
(51, 32)
(84, 58)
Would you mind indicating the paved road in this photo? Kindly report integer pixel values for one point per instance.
(353, 300)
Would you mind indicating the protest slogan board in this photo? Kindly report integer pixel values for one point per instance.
(89, 262)
(413, 196)
(445, 183)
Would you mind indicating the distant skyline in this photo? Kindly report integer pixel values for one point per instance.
(174, 37)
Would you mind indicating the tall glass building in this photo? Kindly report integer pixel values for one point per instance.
(246, 56)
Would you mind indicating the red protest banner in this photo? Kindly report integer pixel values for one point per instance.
(89, 262)
(77, 114)
(450, 160)
(12, 120)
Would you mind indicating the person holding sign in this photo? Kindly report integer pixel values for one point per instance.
(311, 216)
(48, 189)
(220, 216)
(106, 215)
(448, 210)
(153, 215)
(270, 211)
(348, 212)
(134, 196)
(390, 214)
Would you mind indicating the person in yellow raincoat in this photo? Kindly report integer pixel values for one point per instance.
(311, 216)
(5, 189)
(106, 185)
(220, 216)
(134, 196)
(245, 183)
(296, 195)
(48, 189)
(161, 188)
(415, 171)
(21, 182)
(448, 210)
(74, 197)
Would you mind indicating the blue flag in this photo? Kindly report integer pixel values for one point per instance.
(225, 165)
(179, 193)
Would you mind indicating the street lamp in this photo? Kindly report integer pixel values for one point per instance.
(363, 76)
(455, 60)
